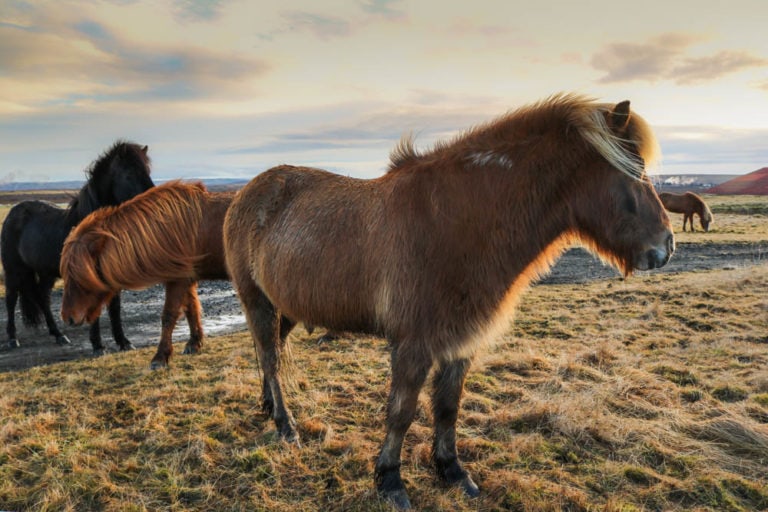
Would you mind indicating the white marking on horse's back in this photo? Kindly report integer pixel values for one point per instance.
(490, 157)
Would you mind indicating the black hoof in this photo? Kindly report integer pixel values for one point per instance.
(391, 489)
(326, 338)
(157, 365)
(452, 474)
(191, 349)
(13, 343)
(398, 499)
(288, 434)
(469, 487)
(98, 352)
(126, 347)
(62, 340)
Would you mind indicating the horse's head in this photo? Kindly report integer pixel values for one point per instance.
(619, 214)
(85, 291)
(120, 174)
(706, 218)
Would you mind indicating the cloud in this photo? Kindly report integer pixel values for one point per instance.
(87, 59)
(198, 10)
(663, 58)
(384, 8)
(651, 61)
(701, 69)
(712, 149)
(322, 27)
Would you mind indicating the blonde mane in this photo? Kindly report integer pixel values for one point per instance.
(577, 112)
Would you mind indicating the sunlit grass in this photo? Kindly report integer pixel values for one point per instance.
(645, 394)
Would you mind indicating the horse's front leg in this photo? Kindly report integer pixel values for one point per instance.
(175, 294)
(194, 312)
(94, 334)
(117, 324)
(446, 395)
(408, 376)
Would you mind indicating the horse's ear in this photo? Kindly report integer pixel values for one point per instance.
(618, 118)
(145, 149)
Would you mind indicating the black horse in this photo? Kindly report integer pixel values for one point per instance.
(33, 236)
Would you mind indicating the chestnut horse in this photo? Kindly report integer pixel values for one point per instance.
(434, 254)
(171, 234)
(688, 204)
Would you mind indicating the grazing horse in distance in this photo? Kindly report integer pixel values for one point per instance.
(434, 254)
(171, 234)
(33, 234)
(688, 204)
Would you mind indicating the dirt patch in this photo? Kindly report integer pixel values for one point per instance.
(222, 313)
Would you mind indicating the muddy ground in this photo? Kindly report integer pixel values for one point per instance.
(222, 314)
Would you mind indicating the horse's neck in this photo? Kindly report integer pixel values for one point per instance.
(519, 216)
(85, 203)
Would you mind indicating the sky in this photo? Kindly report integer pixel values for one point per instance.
(229, 88)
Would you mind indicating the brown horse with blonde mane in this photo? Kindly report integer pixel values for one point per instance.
(688, 204)
(434, 254)
(170, 234)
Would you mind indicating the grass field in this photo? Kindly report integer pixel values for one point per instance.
(644, 394)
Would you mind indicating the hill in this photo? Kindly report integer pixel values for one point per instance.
(679, 183)
(754, 183)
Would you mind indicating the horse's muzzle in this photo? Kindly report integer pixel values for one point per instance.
(659, 256)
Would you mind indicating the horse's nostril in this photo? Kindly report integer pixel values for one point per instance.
(670, 244)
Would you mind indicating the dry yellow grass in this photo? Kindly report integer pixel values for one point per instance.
(645, 394)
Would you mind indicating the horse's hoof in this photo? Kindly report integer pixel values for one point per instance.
(62, 340)
(398, 499)
(98, 352)
(289, 436)
(126, 347)
(327, 338)
(191, 349)
(158, 365)
(13, 343)
(469, 487)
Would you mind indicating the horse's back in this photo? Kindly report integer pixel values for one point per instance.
(295, 221)
(210, 239)
(29, 226)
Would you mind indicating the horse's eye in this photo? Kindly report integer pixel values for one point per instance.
(630, 203)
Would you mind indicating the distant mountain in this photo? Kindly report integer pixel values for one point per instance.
(18, 186)
(754, 183)
(213, 183)
(699, 183)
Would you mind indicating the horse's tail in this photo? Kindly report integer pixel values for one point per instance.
(30, 296)
(19, 277)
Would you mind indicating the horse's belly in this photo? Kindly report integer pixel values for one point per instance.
(330, 297)
(41, 249)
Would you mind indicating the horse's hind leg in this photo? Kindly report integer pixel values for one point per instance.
(687, 219)
(117, 324)
(194, 313)
(268, 331)
(408, 376)
(175, 295)
(267, 400)
(446, 395)
(45, 286)
(11, 297)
